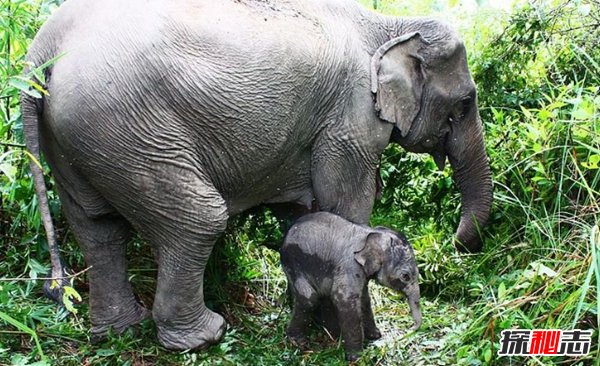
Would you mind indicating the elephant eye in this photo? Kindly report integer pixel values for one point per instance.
(460, 110)
(405, 277)
(467, 103)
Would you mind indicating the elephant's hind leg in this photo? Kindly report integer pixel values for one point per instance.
(182, 215)
(103, 240)
(305, 301)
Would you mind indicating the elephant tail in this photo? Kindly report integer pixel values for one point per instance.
(32, 109)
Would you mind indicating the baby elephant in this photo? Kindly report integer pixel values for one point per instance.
(328, 259)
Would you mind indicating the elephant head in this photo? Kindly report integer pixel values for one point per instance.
(423, 86)
(388, 257)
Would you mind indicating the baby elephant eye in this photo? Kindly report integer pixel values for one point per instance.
(405, 277)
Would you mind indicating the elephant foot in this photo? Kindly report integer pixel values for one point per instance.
(352, 356)
(207, 330)
(298, 340)
(119, 323)
(372, 333)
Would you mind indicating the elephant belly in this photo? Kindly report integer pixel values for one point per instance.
(289, 181)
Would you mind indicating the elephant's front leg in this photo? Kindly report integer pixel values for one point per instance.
(371, 330)
(344, 181)
(182, 216)
(182, 319)
(347, 302)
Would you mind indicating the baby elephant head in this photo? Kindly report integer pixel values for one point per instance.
(388, 257)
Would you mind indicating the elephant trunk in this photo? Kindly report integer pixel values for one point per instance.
(414, 296)
(466, 153)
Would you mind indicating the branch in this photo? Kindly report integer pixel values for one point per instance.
(12, 144)
(42, 333)
(46, 278)
(561, 31)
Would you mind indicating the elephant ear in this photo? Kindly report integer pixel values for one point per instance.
(370, 257)
(397, 80)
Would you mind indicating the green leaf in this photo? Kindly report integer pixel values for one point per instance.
(70, 293)
(9, 170)
(105, 352)
(24, 86)
(584, 110)
(487, 355)
(501, 291)
(25, 329)
(592, 162)
(19, 360)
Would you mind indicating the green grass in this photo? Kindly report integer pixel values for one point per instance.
(537, 73)
(460, 325)
(257, 311)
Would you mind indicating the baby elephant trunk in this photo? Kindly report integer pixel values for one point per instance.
(413, 295)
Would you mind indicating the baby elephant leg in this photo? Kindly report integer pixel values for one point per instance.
(326, 316)
(347, 301)
(305, 301)
(371, 330)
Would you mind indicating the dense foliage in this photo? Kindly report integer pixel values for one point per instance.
(538, 77)
(538, 84)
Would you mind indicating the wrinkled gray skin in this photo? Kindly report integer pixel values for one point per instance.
(168, 117)
(330, 260)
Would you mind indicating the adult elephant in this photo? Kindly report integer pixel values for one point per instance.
(168, 117)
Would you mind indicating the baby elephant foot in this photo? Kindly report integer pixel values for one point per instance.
(299, 341)
(209, 328)
(352, 356)
(119, 323)
(372, 333)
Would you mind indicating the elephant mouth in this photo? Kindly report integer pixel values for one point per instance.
(425, 144)
(434, 145)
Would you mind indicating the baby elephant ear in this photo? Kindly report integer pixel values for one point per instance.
(370, 257)
(397, 79)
